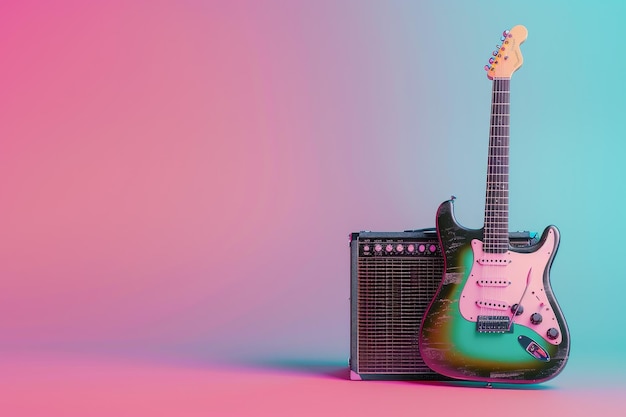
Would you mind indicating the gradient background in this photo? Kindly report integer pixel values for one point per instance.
(178, 178)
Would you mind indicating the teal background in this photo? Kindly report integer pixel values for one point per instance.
(567, 148)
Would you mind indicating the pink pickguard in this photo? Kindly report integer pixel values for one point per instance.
(497, 281)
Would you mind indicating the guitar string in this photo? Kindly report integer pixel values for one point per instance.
(489, 201)
(498, 168)
(502, 199)
(489, 232)
(501, 143)
(489, 197)
(503, 177)
(503, 228)
(497, 199)
(494, 168)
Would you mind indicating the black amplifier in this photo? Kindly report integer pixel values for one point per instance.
(393, 277)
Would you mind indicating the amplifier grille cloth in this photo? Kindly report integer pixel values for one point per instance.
(393, 295)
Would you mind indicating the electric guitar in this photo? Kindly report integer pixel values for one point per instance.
(494, 317)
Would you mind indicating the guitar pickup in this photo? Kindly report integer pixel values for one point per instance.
(493, 261)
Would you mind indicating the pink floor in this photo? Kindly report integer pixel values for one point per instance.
(36, 384)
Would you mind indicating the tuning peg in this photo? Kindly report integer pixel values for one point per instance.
(487, 67)
(498, 46)
(494, 53)
(491, 60)
(502, 39)
(505, 33)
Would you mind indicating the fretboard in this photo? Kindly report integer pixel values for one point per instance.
(497, 196)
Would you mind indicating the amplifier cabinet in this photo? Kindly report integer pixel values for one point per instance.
(393, 277)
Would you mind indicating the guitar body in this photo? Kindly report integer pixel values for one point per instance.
(475, 329)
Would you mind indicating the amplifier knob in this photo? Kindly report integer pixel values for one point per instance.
(421, 248)
(366, 248)
(389, 248)
(432, 248)
(399, 247)
(378, 247)
(411, 248)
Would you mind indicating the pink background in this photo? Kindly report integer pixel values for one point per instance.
(178, 180)
(184, 176)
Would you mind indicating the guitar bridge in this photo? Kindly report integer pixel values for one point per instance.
(494, 324)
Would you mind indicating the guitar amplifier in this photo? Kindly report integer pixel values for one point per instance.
(393, 277)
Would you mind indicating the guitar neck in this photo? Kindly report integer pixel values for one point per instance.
(497, 195)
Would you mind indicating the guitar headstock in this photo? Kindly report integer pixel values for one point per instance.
(507, 58)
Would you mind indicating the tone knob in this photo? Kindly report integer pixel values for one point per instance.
(536, 318)
(399, 247)
(552, 333)
(378, 247)
(518, 309)
(389, 248)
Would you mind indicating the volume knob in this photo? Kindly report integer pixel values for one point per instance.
(536, 318)
(518, 309)
(552, 333)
